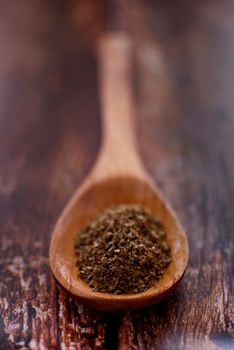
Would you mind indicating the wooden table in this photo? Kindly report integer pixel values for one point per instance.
(49, 138)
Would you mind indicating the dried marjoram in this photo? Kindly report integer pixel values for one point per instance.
(122, 251)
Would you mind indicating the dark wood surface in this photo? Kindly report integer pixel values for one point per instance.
(49, 137)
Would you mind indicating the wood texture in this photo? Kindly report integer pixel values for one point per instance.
(117, 178)
(49, 135)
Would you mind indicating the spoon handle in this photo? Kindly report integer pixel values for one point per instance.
(117, 105)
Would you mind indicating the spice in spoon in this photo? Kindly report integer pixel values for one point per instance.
(122, 251)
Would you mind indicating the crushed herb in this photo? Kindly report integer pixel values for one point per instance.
(122, 251)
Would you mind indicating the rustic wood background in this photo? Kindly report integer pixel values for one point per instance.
(49, 137)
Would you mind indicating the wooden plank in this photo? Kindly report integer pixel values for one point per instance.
(50, 133)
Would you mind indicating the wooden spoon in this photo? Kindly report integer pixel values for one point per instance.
(118, 177)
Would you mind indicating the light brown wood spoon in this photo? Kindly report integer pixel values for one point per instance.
(118, 177)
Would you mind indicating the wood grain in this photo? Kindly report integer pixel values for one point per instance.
(49, 134)
(117, 177)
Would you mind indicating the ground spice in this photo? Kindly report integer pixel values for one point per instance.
(122, 251)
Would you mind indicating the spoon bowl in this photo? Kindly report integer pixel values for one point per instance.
(85, 205)
(117, 178)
